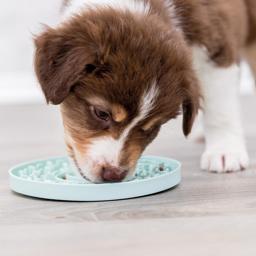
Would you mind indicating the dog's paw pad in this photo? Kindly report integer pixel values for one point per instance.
(225, 161)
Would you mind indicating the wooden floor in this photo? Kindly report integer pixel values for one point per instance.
(208, 214)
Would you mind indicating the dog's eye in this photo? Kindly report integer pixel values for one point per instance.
(101, 114)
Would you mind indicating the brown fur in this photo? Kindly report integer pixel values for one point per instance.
(131, 156)
(114, 56)
(223, 27)
(251, 10)
(220, 26)
(151, 123)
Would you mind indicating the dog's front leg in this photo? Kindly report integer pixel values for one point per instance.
(225, 145)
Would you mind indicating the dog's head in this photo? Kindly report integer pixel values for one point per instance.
(118, 78)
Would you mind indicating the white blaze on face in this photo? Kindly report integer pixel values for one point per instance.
(78, 6)
(107, 150)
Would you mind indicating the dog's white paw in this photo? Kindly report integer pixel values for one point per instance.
(228, 160)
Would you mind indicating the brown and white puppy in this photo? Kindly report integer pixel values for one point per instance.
(121, 69)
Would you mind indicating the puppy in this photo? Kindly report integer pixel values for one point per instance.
(120, 69)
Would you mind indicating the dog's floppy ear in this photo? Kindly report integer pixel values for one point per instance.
(191, 104)
(58, 64)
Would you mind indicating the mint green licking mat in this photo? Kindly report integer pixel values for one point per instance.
(55, 179)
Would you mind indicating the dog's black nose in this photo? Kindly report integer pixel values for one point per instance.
(113, 174)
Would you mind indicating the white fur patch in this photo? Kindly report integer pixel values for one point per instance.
(76, 6)
(106, 149)
(225, 145)
(146, 105)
